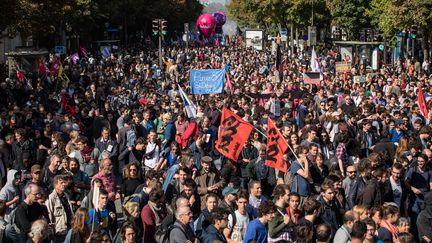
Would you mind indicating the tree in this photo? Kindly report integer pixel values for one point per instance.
(350, 15)
(265, 12)
(392, 16)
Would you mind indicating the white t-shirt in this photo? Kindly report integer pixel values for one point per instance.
(239, 230)
(155, 158)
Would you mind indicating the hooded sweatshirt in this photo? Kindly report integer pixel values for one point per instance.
(9, 191)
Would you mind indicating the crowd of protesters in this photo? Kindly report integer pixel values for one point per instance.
(359, 158)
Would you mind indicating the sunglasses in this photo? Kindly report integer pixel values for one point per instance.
(132, 169)
(351, 172)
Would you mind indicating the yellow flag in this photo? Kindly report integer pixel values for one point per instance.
(63, 76)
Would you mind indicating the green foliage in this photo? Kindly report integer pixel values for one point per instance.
(350, 15)
(392, 16)
(267, 12)
(89, 16)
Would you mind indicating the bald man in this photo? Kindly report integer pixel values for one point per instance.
(351, 174)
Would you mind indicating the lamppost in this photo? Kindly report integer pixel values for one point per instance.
(120, 31)
(106, 30)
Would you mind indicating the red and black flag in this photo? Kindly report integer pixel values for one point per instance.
(276, 147)
(233, 134)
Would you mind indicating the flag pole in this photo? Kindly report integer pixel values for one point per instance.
(95, 201)
(289, 146)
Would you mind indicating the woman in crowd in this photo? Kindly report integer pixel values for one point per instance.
(361, 212)
(203, 220)
(132, 213)
(131, 179)
(388, 231)
(80, 231)
(128, 233)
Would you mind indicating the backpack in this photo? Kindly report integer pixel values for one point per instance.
(289, 178)
(163, 231)
(141, 198)
(234, 220)
(12, 232)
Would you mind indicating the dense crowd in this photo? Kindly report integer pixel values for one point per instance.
(359, 158)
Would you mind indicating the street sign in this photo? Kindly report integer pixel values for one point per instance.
(381, 47)
(60, 50)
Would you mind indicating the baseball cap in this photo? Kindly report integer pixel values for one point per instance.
(229, 190)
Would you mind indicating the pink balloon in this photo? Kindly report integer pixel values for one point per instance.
(206, 24)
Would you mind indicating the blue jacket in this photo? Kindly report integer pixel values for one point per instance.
(211, 234)
(256, 232)
(169, 133)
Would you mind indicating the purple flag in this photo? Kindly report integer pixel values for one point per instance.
(74, 58)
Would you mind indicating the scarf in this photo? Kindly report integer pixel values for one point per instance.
(157, 211)
(390, 227)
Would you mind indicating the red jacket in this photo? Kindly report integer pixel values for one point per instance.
(150, 223)
(191, 131)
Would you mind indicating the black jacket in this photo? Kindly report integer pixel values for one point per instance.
(371, 194)
(330, 215)
(355, 191)
(387, 196)
(424, 219)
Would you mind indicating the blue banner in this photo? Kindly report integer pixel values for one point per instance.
(209, 81)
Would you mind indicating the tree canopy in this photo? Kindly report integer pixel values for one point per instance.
(45, 17)
(388, 16)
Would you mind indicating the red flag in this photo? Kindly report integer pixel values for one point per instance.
(55, 66)
(276, 147)
(422, 103)
(229, 84)
(83, 51)
(233, 134)
(42, 67)
(20, 75)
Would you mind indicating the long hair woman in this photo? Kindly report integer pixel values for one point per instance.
(132, 212)
(79, 232)
(388, 232)
(131, 179)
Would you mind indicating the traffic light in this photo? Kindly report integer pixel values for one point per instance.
(164, 27)
(155, 27)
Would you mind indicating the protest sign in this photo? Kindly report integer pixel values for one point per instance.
(342, 67)
(210, 81)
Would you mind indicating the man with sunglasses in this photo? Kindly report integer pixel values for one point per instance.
(36, 178)
(349, 179)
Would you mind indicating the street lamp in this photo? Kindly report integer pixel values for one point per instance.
(106, 30)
